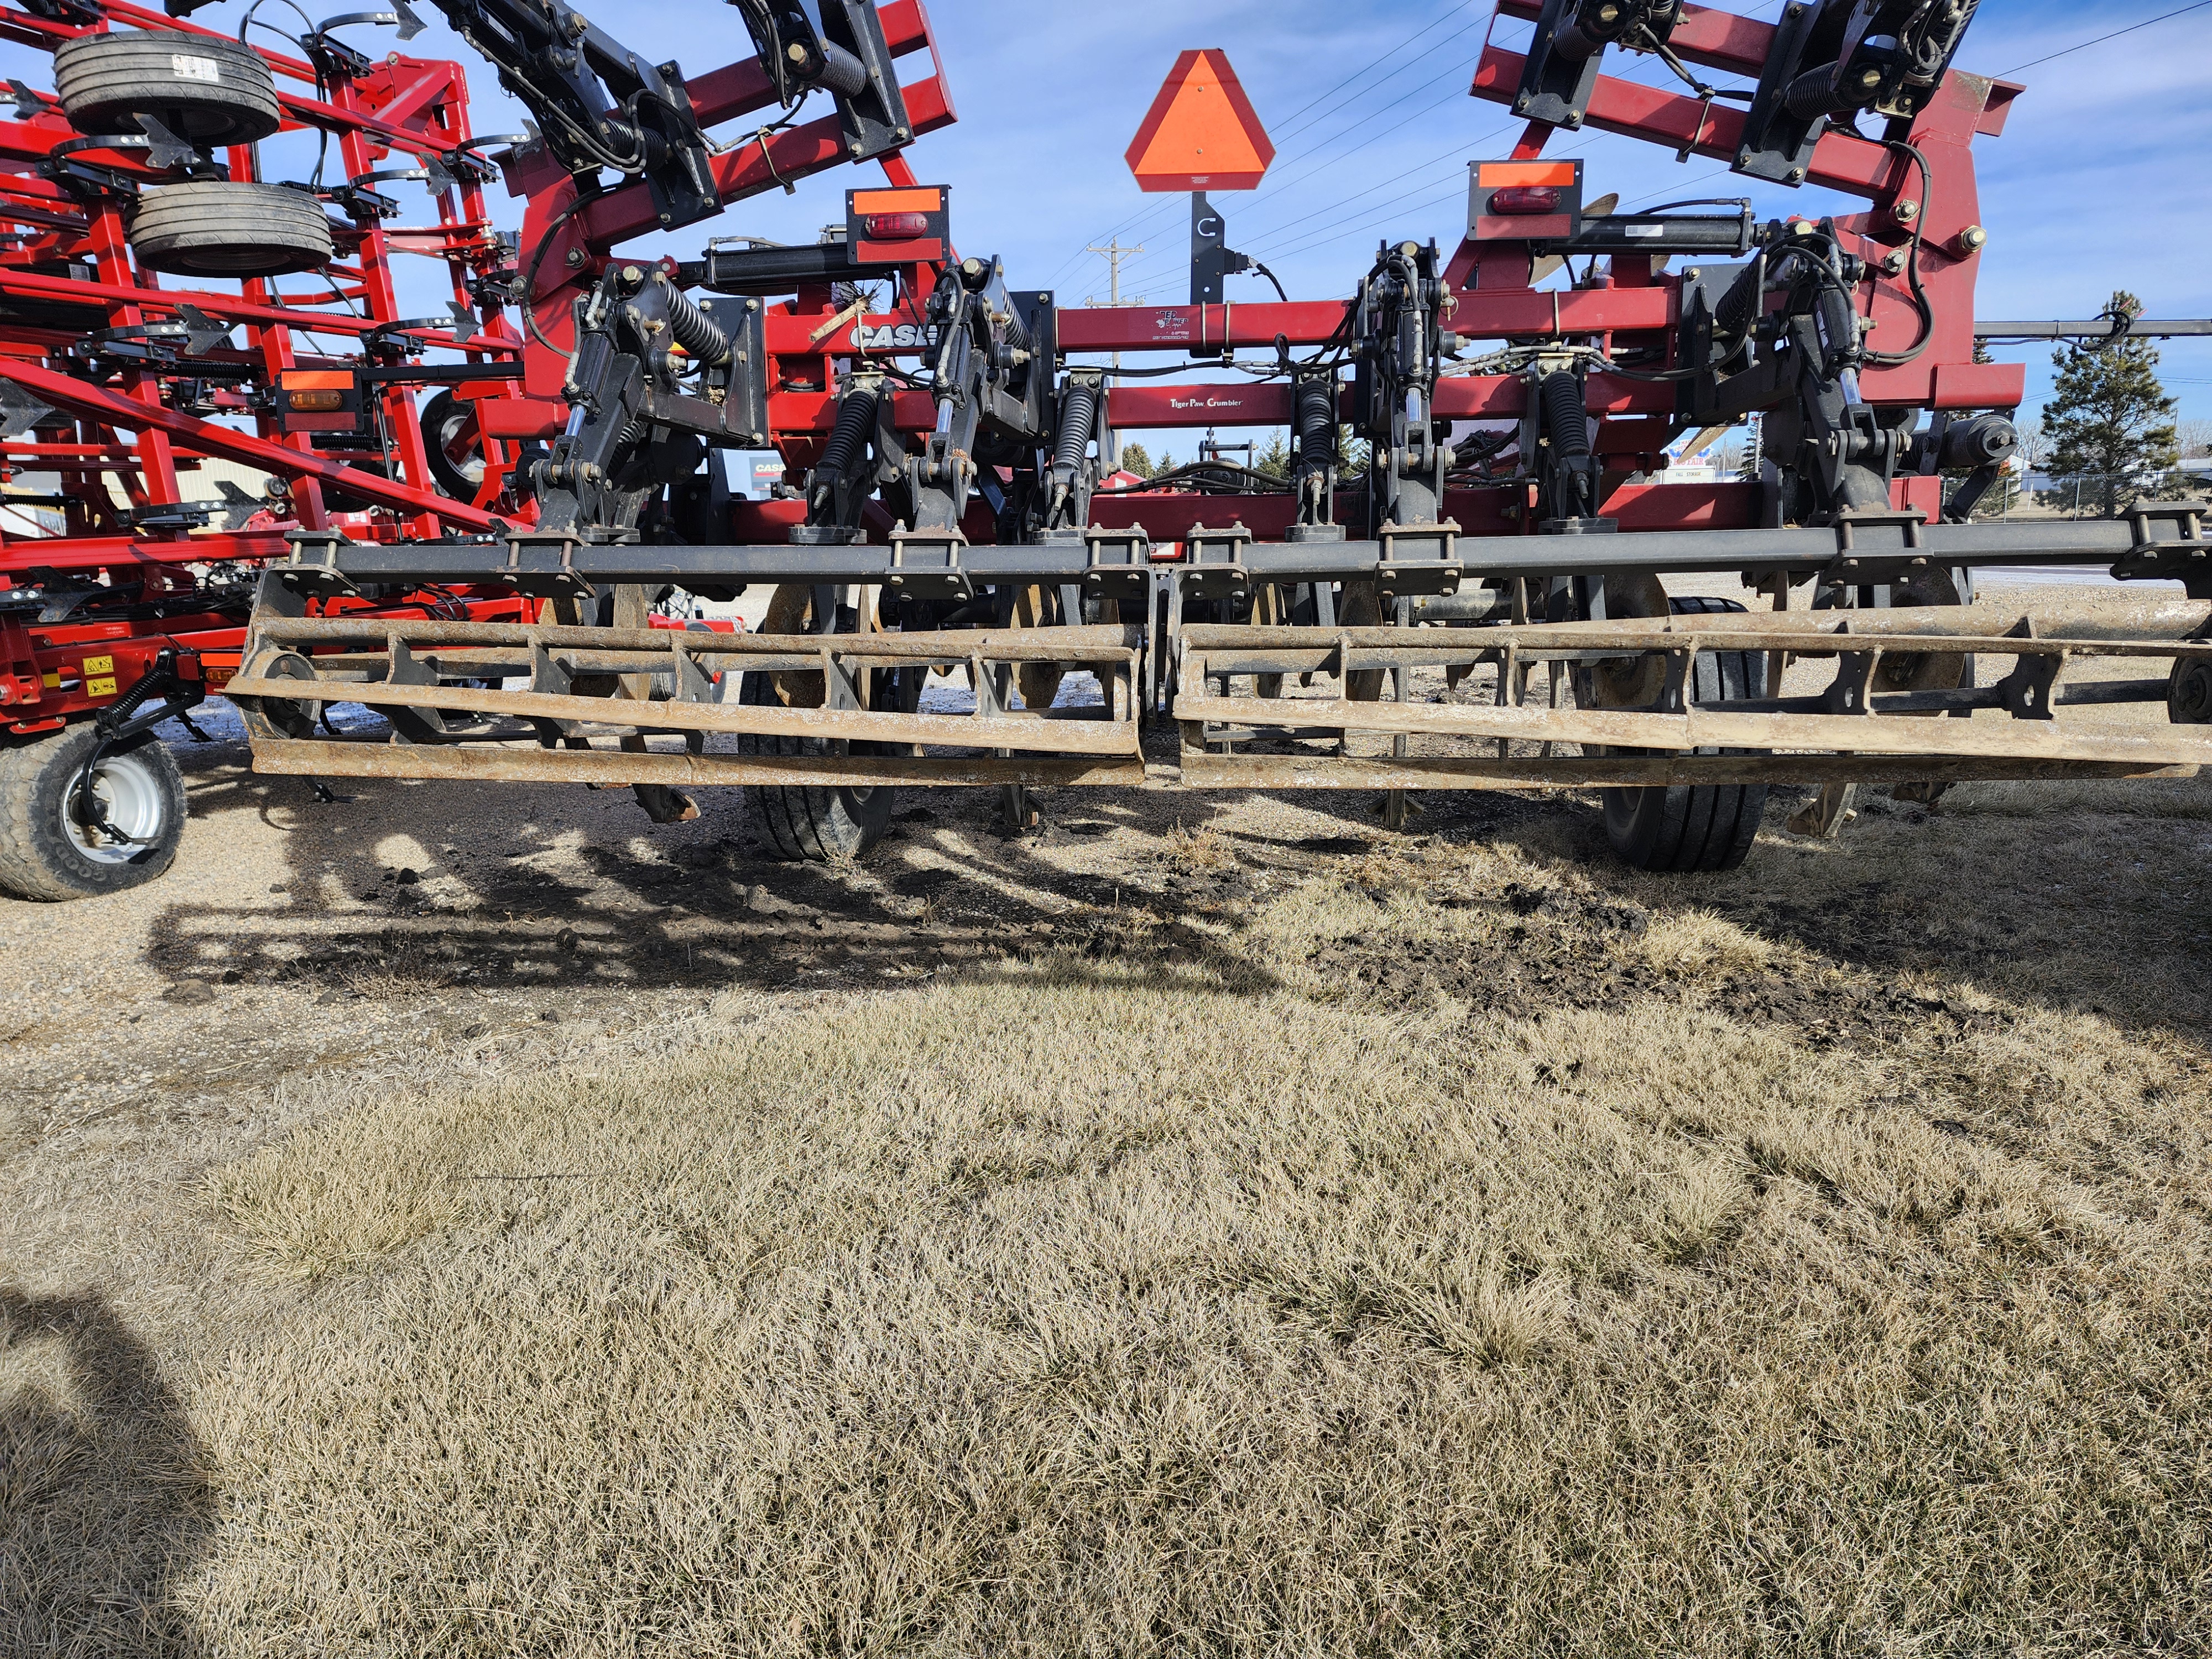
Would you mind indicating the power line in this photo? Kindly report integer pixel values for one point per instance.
(1449, 12)
(2100, 39)
(1282, 184)
(1367, 214)
(1354, 97)
(1114, 253)
(1457, 149)
(1143, 214)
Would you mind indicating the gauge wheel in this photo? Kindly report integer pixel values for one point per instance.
(814, 823)
(1682, 827)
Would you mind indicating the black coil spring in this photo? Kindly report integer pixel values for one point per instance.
(1315, 418)
(695, 331)
(1814, 94)
(1564, 422)
(1738, 305)
(1079, 417)
(856, 417)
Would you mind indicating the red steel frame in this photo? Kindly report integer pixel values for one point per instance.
(418, 107)
(1494, 299)
(411, 108)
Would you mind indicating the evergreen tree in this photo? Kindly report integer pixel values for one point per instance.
(1273, 457)
(1351, 452)
(2110, 422)
(1137, 459)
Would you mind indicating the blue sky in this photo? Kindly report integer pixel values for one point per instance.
(2102, 179)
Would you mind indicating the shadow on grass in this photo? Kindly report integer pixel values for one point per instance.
(626, 905)
(104, 1506)
(567, 891)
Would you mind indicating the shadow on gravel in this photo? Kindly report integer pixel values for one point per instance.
(104, 1506)
(636, 906)
(566, 890)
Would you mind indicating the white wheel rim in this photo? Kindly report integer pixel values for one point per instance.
(130, 797)
(468, 461)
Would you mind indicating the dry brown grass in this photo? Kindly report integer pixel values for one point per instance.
(1177, 1290)
(1050, 1313)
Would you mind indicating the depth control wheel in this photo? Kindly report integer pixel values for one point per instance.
(2189, 691)
(817, 824)
(52, 847)
(1683, 827)
(451, 445)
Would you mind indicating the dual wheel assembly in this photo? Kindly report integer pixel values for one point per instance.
(209, 92)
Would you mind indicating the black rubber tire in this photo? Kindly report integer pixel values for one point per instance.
(1695, 827)
(442, 415)
(216, 229)
(2189, 690)
(39, 859)
(204, 88)
(805, 822)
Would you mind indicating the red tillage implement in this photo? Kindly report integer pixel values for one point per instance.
(1506, 503)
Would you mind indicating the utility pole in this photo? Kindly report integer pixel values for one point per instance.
(1114, 253)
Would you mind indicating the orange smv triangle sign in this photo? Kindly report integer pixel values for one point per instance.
(1200, 132)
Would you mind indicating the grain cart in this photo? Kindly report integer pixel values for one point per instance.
(1510, 520)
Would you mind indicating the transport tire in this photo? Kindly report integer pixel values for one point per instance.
(456, 462)
(1682, 828)
(219, 229)
(208, 90)
(48, 853)
(804, 823)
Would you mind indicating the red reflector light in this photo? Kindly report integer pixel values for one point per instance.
(1525, 198)
(889, 227)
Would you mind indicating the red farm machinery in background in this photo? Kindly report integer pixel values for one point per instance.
(202, 363)
(472, 548)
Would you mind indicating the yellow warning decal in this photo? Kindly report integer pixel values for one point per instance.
(105, 687)
(99, 665)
